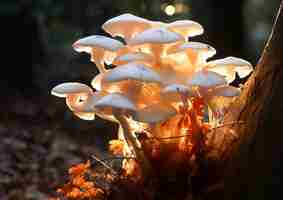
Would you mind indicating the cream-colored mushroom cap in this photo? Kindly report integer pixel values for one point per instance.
(155, 113)
(126, 26)
(97, 41)
(179, 89)
(96, 82)
(132, 57)
(115, 101)
(62, 90)
(133, 71)
(102, 49)
(176, 92)
(83, 102)
(198, 47)
(175, 88)
(85, 115)
(225, 91)
(156, 36)
(229, 66)
(205, 78)
(186, 28)
(197, 52)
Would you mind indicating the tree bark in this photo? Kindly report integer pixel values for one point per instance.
(256, 168)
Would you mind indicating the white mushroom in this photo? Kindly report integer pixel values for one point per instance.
(178, 92)
(156, 36)
(63, 89)
(132, 57)
(83, 102)
(197, 52)
(155, 113)
(126, 26)
(229, 66)
(206, 79)
(133, 71)
(79, 98)
(121, 106)
(85, 115)
(96, 82)
(101, 48)
(161, 83)
(225, 91)
(115, 101)
(155, 40)
(186, 28)
(176, 88)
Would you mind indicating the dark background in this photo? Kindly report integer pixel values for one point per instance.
(39, 137)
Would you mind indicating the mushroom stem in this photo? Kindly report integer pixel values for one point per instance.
(100, 67)
(132, 142)
(184, 98)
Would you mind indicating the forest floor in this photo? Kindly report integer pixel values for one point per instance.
(39, 141)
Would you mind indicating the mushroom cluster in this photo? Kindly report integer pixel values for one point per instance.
(161, 86)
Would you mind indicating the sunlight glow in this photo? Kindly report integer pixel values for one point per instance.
(170, 10)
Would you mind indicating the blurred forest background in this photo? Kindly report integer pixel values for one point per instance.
(39, 137)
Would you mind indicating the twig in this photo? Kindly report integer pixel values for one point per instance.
(185, 135)
(118, 158)
(104, 164)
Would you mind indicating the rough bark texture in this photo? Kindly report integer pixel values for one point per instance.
(257, 165)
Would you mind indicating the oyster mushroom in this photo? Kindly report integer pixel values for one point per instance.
(197, 52)
(186, 28)
(225, 91)
(206, 79)
(155, 113)
(126, 26)
(121, 106)
(154, 40)
(79, 98)
(133, 57)
(101, 48)
(64, 89)
(229, 66)
(155, 71)
(133, 71)
(178, 92)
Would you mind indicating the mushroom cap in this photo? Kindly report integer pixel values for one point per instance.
(175, 92)
(126, 26)
(155, 113)
(64, 89)
(97, 41)
(96, 82)
(85, 115)
(83, 105)
(186, 28)
(225, 91)
(230, 61)
(197, 47)
(159, 35)
(229, 65)
(229, 73)
(115, 101)
(131, 57)
(83, 102)
(175, 88)
(134, 71)
(205, 78)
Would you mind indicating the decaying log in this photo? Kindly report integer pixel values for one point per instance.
(256, 169)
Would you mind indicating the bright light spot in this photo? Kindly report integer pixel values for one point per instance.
(170, 10)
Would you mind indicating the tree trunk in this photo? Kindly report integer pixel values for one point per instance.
(256, 168)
